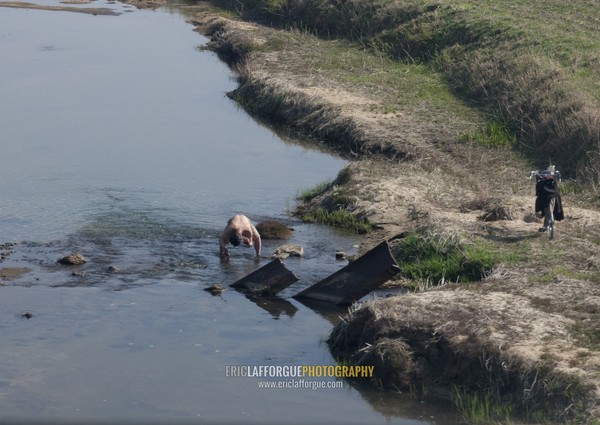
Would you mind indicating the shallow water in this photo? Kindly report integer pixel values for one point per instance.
(118, 142)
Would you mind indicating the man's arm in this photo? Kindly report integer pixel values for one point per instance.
(257, 241)
(223, 252)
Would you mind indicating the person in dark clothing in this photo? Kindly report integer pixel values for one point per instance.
(548, 198)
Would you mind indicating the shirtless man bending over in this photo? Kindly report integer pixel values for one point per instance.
(239, 229)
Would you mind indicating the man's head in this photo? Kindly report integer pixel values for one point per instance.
(235, 239)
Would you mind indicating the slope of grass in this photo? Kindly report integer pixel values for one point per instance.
(534, 66)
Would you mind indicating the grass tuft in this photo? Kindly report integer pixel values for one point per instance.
(436, 258)
(495, 135)
(310, 194)
(483, 408)
(338, 218)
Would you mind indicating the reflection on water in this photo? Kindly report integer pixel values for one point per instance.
(274, 305)
(119, 143)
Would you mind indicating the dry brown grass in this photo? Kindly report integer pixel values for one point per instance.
(549, 115)
(491, 209)
(447, 337)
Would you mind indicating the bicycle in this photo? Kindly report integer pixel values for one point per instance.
(547, 197)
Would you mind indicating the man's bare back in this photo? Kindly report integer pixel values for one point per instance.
(239, 229)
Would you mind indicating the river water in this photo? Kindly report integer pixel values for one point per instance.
(118, 141)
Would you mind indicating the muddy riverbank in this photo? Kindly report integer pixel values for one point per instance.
(527, 331)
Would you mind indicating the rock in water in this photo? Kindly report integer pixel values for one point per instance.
(74, 259)
(287, 250)
(340, 255)
(272, 229)
(215, 289)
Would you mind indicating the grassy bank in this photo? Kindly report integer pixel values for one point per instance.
(532, 67)
(336, 206)
(442, 110)
(423, 341)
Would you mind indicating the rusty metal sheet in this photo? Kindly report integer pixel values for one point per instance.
(356, 279)
(268, 280)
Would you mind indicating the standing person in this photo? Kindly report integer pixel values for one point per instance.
(548, 201)
(239, 229)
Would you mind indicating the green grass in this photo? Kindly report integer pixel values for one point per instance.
(481, 408)
(494, 135)
(309, 194)
(591, 276)
(338, 218)
(403, 85)
(336, 206)
(339, 197)
(427, 256)
(533, 66)
(588, 334)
